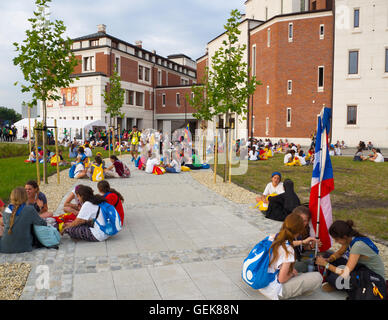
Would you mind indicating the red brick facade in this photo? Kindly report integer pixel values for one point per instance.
(201, 69)
(320, 4)
(297, 61)
(171, 100)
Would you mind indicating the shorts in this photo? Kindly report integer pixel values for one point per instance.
(134, 147)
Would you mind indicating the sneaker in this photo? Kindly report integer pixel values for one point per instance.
(327, 287)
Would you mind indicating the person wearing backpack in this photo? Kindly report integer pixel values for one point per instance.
(286, 281)
(113, 197)
(18, 219)
(96, 170)
(90, 224)
(360, 269)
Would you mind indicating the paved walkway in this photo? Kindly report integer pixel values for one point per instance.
(179, 241)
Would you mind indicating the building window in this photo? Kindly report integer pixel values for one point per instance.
(91, 118)
(266, 13)
(356, 20)
(353, 62)
(386, 59)
(147, 74)
(117, 63)
(87, 118)
(254, 60)
(289, 87)
(94, 43)
(163, 99)
(320, 78)
(321, 31)
(178, 99)
(352, 115)
(314, 6)
(192, 96)
(159, 77)
(139, 99)
(89, 63)
(290, 32)
(288, 117)
(268, 38)
(302, 5)
(267, 126)
(267, 100)
(129, 97)
(141, 72)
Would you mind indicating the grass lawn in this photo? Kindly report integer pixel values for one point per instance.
(360, 194)
(15, 172)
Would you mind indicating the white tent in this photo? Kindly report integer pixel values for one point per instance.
(75, 128)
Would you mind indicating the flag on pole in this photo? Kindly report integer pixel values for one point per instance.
(322, 183)
(187, 136)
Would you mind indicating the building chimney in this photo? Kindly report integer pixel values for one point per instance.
(139, 44)
(101, 28)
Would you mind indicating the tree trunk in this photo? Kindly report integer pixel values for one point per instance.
(44, 143)
(226, 168)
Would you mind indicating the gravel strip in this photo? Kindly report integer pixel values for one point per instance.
(13, 277)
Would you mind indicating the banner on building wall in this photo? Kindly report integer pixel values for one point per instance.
(89, 95)
(69, 97)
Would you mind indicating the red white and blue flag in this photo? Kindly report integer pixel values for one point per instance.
(322, 182)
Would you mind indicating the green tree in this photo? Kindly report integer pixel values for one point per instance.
(227, 84)
(114, 96)
(7, 114)
(46, 61)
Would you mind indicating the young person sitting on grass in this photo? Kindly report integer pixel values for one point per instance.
(37, 199)
(19, 217)
(360, 251)
(274, 187)
(288, 283)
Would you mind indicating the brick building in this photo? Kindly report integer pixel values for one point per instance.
(142, 72)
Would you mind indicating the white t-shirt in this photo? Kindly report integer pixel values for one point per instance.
(294, 148)
(151, 162)
(88, 152)
(287, 157)
(302, 160)
(252, 156)
(379, 158)
(269, 189)
(78, 168)
(89, 211)
(75, 197)
(275, 288)
(176, 165)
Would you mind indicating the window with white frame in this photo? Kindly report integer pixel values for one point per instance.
(268, 37)
(178, 99)
(353, 62)
(290, 32)
(129, 97)
(267, 126)
(147, 74)
(141, 72)
(386, 60)
(351, 118)
(288, 117)
(356, 18)
(139, 99)
(321, 76)
(322, 32)
(267, 96)
(163, 99)
(254, 60)
(117, 64)
(159, 77)
(192, 96)
(289, 87)
(88, 63)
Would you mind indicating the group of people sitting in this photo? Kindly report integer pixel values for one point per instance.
(375, 156)
(28, 207)
(291, 252)
(295, 156)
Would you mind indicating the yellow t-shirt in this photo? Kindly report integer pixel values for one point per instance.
(135, 137)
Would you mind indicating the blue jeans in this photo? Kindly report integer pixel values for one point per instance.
(170, 170)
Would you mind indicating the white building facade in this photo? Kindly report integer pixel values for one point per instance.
(360, 91)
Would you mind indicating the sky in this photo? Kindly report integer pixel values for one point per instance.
(169, 27)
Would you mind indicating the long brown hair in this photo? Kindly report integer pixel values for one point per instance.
(104, 186)
(17, 198)
(341, 229)
(292, 226)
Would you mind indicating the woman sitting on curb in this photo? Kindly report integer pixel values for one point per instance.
(288, 282)
(19, 217)
(361, 251)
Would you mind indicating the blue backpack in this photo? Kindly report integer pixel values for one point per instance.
(255, 267)
(111, 218)
(72, 171)
(48, 236)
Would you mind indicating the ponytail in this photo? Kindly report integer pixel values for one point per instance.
(17, 198)
(12, 219)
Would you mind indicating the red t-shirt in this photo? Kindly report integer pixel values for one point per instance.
(119, 167)
(112, 199)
